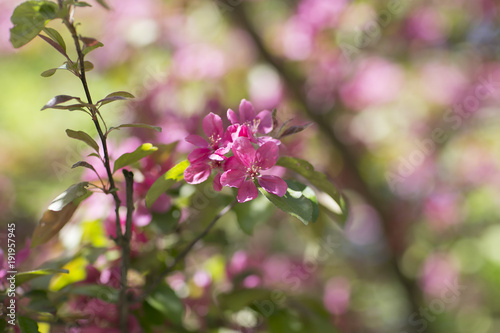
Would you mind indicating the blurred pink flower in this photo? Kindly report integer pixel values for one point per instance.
(199, 61)
(375, 82)
(320, 14)
(442, 209)
(337, 295)
(442, 83)
(436, 273)
(427, 25)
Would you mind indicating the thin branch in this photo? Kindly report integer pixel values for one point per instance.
(125, 262)
(112, 187)
(180, 257)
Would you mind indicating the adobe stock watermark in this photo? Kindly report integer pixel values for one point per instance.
(449, 296)
(452, 120)
(371, 32)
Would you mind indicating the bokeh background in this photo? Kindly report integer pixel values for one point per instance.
(404, 98)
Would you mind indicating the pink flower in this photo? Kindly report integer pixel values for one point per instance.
(210, 155)
(245, 166)
(248, 123)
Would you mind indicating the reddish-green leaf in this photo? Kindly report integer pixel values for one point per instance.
(82, 136)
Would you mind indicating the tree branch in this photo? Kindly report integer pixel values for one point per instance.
(125, 262)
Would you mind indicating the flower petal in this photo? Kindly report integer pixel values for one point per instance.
(263, 139)
(248, 191)
(212, 126)
(233, 163)
(216, 157)
(273, 184)
(197, 173)
(233, 118)
(233, 178)
(267, 155)
(217, 184)
(244, 151)
(197, 140)
(266, 122)
(199, 155)
(247, 112)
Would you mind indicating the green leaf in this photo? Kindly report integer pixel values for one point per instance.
(165, 182)
(129, 158)
(24, 277)
(318, 180)
(297, 202)
(156, 128)
(164, 300)
(27, 325)
(58, 100)
(82, 136)
(3, 324)
(103, 292)
(29, 18)
(56, 36)
(252, 212)
(87, 49)
(59, 213)
(82, 4)
(103, 3)
(116, 96)
(38, 301)
(88, 66)
(54, 44)
(238, 299)
(49, 72)
(294, 129)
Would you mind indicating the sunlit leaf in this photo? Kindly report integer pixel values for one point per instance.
(24, 277)
(164, 299)
(82, 136)
(59, 213)
(166, 181)
(27, 325)
(299, 201)
(129, 158)
(29, 18)
(77, 272)
(318, 180)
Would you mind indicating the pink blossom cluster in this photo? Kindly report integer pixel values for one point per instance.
(238, 155)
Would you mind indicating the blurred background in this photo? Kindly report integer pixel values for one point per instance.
(404, 96)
